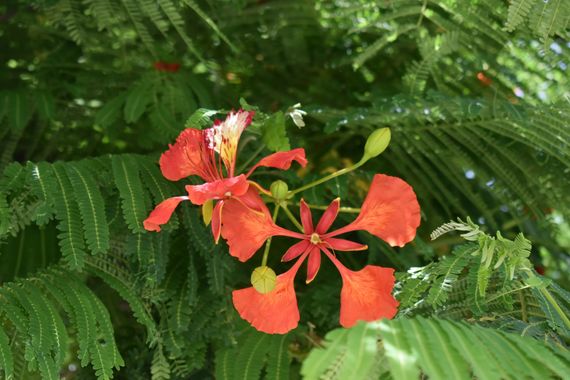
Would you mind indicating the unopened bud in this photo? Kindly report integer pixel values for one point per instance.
(377, 143)
(263, 279)
(279, 190)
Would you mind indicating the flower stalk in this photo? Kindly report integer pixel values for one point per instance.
(327, 178)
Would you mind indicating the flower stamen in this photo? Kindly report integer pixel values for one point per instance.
(315, 238)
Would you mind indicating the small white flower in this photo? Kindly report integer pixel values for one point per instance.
(297, 115)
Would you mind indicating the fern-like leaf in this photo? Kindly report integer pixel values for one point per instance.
(91, 207)
(133, 196)
(441, 349)
(518, 11)
(6, 358)
(67, 212)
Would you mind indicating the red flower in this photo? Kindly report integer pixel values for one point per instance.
(390, 211)
(211, 155)
(167, 67)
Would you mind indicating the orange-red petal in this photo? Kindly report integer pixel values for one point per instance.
(247, 223)
(328, 217)
(162, 213)
(185, 157)
(366, 295)
(282, 160)
(217, 221)
(390, 211)
(275, 312)
(219, 189)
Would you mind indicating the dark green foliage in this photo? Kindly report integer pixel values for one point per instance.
(253, 352)
(126, 174)
(93, 91)
(34, 308)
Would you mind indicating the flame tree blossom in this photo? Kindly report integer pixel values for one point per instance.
(390, 212)
(211, 155)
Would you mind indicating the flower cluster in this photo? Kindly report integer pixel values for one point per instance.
(390, 211)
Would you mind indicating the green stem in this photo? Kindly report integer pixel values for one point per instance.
(292, 217)
(352, 210)
(268, 243)
(327, 178)
(250, 159)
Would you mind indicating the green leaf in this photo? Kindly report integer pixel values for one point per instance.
(330, 356)
(19, 110)
(362, 349)
(110, 112)
(274, 134)
(46, 105)
(518, 10)
(278, 361)
(200, 119)
(6, 359)
(224, 364)
(125, 290)
(402, 361)
(133, 196)
(137, 101)
(251, 356)
(441, 348)
(41, 181)
(67, 212)
(91, 206)
(160, 369)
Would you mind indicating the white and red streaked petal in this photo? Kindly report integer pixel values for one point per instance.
(328, 217)
(306, 218)
(366, 294)
(282, 160)
(390, 211)
(343, 245)
(275, 312)
(219, 189)
(162, 213)
(186, 157)
(224, 136)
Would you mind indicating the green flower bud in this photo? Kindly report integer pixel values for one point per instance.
(279, 190)
(263, 279)
(377, 143)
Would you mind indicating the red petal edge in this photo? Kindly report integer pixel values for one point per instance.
(185, 157)
(246, 224)
(282, 160)
(390, 211)
(217, 221)
(220, 189)
(162, 213)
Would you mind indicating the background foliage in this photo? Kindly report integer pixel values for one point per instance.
(477, 97)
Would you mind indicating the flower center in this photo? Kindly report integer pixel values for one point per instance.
(228, 194)
(315, 239)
